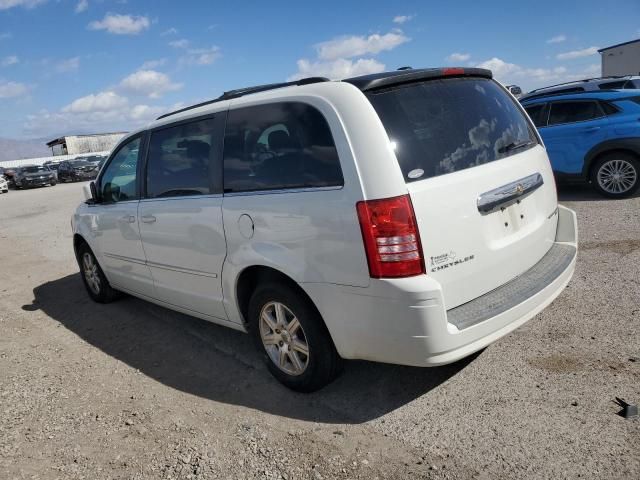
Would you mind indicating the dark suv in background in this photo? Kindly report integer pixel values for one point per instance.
(82, 168)
(33, 176)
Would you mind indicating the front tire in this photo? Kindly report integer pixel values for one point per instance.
(93, 277)
(295, 343)
(616, 175)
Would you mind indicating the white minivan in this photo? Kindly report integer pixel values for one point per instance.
(407, 217)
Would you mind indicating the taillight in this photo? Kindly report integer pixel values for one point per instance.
(391, 238)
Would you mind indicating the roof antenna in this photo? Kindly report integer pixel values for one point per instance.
(406, 68)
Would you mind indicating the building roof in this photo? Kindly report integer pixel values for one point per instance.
(618, 45)
(60, 140)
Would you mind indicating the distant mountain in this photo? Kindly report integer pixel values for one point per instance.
(17, 149)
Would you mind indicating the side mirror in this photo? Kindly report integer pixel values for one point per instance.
(90, 192)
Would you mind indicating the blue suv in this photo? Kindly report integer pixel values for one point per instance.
(592, 137)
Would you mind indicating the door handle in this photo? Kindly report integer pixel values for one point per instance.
(591, 129)
(128, 218)
(148, 219)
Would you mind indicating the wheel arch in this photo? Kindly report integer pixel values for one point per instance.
(77, 241)
(630, 146)
(249, 279)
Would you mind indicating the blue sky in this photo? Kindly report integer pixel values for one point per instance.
(80, 66)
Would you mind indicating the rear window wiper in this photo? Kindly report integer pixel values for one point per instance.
(515, 146)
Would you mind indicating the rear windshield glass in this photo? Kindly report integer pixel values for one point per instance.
(442, 126)
(34, 169)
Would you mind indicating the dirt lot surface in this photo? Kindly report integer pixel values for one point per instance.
(131, 390)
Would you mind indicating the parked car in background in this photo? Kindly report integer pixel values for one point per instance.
(4, 185)
(381, 217)
(33, 176)
(515, 90)
(629, 82)
(52, 165)
(77, 170)
(9, 173)
(592, 137)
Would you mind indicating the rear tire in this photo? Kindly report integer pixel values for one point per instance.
(292, 337)
(93, 277)
(616, 175)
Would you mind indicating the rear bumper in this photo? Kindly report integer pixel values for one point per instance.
(404, 321)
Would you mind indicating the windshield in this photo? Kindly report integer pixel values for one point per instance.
(442, 126)
(34, 169)
(79, 163)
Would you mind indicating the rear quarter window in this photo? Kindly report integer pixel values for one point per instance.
(279, 146)
(537, 114)
(443, 126)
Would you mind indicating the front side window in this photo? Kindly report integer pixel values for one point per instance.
(279, 146)
(570, 112)
(442, 126)
(118, 182)
(182, 160)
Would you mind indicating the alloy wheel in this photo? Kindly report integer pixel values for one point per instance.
(283, 338)
(617, 176)
(90, 269)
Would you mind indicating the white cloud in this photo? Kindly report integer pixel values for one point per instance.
(587, 52)
(400, 19)
(121, 24)
(500, 68)
(7, 4)
(145, 113)
(68, 65)
(10, 60)
(104, 111)
(12, 89)
(182, 43)
(82, 6)
(170, 31)
(458, 57)
(528, 78)
(336, 69)
(557, 39)
(201, 56)
(149, 83)
(99, 102)
(151, 64)
(353, 46)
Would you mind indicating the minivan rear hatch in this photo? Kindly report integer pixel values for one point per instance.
(479, 180)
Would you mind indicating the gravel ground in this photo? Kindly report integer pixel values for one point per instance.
(131, 390)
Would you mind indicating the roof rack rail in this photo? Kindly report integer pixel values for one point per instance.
(240, 92)
(584, 80)
(558, 94)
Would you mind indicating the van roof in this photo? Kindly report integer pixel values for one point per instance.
(364, 82)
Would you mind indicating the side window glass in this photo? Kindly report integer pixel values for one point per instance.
(612, 85)
(180, 160)
(569, 112)
(536, 114)
(279, 146)
(118, 182)
(609, 109)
